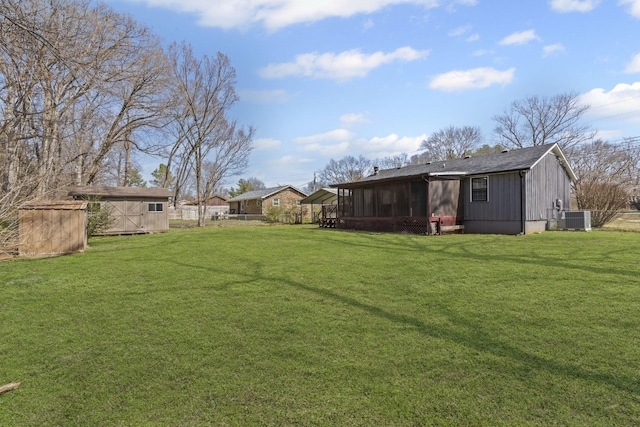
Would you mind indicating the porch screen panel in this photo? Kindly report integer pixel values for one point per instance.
(402, 199)
(419, 198)
(357, 202)
(369, 202)
(385, 200)
(344, 201)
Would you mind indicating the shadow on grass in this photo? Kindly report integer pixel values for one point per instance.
(476, 338)
(446, 246)
(480, 340)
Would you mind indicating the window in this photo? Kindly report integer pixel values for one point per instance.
(297, 202)
(156, 207)
(480, 189)
(276, 202)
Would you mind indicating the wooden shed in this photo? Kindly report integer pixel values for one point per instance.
(134, 210)
(52, 227)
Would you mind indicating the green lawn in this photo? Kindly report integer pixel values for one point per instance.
(289, 325)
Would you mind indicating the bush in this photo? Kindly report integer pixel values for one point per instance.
(100, 217)
(603, 199)
(273, 214)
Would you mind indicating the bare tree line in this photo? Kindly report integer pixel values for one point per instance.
(84, 89)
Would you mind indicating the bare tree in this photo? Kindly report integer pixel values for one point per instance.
(207, 145)
(607, 176)
(543, 120)
(451, 143)
(347, 169)
(85, 79)
(390, 162)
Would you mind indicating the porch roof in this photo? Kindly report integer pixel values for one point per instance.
(322, 197)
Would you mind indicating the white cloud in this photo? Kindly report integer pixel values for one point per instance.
(452, 6)
(473, 37)
(460, 31)
(552, 49)
(519, 38)
(390, 145)
(266, 144)
(634, 65)
(339, 143)
(482, 52)
(368, 24)
(337, 135)
(329, 150)
(634, 7)
(342, 67)
(353, 119)
(623, 101)
(476, 78)
(277, 14)
(264, 96)
(564, 6)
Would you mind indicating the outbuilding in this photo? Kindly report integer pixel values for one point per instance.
(52, 227)
(327, 200)
(133, 210)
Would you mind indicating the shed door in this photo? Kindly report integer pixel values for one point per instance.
(134, 215)
(129, 216)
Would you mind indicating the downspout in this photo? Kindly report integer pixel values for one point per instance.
(426, 179)
(523, 201)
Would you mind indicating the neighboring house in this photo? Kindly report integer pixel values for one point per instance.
(512, 192)
(258, 202)
(133, 209)
(215, 200)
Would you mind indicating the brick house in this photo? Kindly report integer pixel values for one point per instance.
(258, 202)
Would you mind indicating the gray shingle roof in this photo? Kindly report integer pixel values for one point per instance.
(261, 194)
(103, 191)
(513, 160)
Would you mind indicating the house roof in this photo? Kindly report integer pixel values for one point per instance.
(506, 161)
(264, 193)
(322, 196)
(103, 191)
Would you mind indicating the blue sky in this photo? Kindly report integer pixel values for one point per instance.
(326, 79)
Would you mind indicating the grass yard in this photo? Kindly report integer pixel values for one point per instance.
(297, 325)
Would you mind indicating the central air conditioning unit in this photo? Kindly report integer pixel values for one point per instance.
(575, 220)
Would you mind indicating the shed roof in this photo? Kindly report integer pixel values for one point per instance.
(506, 161)
(322, 196)
(104, 191)
(264, 193)
(68, 205)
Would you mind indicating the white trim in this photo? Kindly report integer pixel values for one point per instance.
(563, 160)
